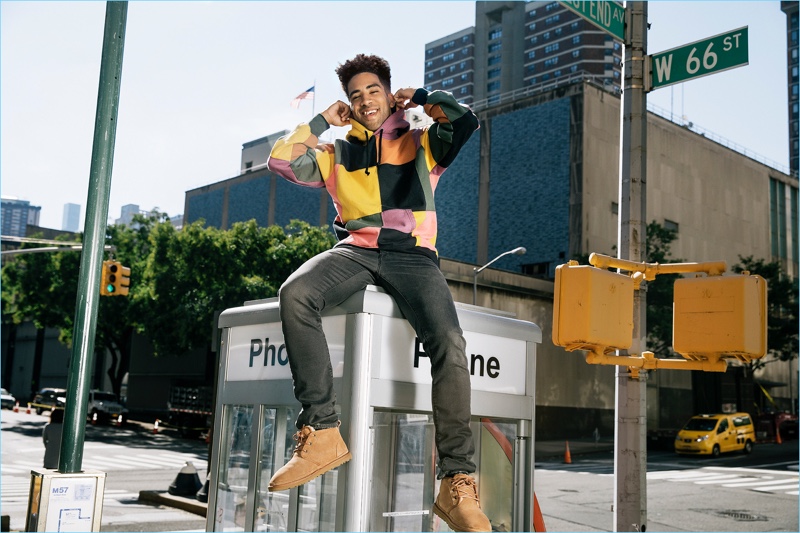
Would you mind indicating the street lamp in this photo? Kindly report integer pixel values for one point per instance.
(516, 251)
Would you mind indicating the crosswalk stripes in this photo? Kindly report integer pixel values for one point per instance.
(773, 481)
(159, 460)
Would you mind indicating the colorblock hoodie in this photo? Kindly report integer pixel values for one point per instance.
(383, 182)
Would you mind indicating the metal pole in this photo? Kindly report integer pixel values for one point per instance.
(630, 427)
(520, 250)
(105, 130)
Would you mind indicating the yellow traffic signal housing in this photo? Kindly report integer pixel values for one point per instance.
(592, 309)
(123, 280)
(720, 317)
(115, 279)
(108, 279)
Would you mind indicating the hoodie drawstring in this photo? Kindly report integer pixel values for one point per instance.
(379, 145)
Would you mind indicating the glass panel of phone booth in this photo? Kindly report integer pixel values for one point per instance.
(272, 509)
(404, 483)
(234, 469)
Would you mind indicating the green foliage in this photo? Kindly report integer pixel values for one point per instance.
(782, 305)
(660, 290)
(179, 280)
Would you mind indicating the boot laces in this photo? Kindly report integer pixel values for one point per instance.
(302, 438)
(464, 487)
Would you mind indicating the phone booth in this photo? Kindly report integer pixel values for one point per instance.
(383, 387)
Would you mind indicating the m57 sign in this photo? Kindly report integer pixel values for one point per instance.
(700, 58)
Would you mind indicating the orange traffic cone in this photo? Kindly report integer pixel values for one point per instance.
(567, 456)
(778, 435)
(538, 519)
(155, 427)
(28, 410)
(16, 407)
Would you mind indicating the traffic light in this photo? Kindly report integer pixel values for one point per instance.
(115, 279)
(720, 317)
(592, 308)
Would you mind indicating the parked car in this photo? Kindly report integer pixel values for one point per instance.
(8, 401)
(105, 407)
(715, 434)
(49, 399)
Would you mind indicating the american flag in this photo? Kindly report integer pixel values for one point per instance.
(308, 94)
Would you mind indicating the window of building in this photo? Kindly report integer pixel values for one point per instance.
(429, 52)
(465, 39)
(447, 45)
(794, 72)
(557, 74)
(545, 77)
(546, 35)
(462, 65)
(532, 54)
(463, 90)
(464, 77)
(495, 47)
(617, 45)
(496, 33)
(428, 64)
(552, 20)
(442, 71)
(558, 31)
(777, 217)
(448, 82)
(429, 76)
(551, 6)
(452, 68)
(574, 26)
(532, 26)
(670, 225)
(449, 57)
(573, 68)
(551, 48)
(248, 166)
(534, 39)
(493, 73)
(492, 86)
(537, 270)
(576, 39)
(532, 13)
(576, 53)
(551, 62)
(614, 208)
(493, 60)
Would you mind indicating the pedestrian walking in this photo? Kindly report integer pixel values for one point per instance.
(52, 438)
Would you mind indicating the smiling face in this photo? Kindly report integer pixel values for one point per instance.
(371, 103)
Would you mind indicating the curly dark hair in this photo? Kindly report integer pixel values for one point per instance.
(365, 63)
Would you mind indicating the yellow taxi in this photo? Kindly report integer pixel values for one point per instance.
(715, 434)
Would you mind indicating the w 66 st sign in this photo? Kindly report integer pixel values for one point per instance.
(693, 60)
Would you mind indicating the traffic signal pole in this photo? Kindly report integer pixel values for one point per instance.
(105, 130)
(630, 426)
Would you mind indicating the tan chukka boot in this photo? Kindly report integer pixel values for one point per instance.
(459, 506)
(317, 451)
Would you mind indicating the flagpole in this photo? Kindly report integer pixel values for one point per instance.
(314, 98)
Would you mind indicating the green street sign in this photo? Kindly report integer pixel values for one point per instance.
(700, 58)
(606, 15)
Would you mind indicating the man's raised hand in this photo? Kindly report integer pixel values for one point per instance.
(402, 98)
(338, 114)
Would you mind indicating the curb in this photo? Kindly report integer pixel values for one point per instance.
(179, 502)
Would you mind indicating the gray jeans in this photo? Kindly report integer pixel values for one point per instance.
(421, 292)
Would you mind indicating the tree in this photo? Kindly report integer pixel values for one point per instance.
(782, 302)
(179, 279)
(660, 290)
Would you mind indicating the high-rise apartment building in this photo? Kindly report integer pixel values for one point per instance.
(516, 45)
(16, 215)
(71, 219)
(790, 8)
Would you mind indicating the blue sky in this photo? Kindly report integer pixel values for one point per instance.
(199, 79)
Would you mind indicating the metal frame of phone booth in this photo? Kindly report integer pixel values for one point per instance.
(383, 386)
